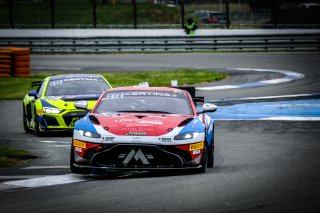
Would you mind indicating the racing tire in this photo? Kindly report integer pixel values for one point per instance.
(25, 123)
(211, 154)
(74, 169)
(204, 160)
(37, 131)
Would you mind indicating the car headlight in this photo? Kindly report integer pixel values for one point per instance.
(186, 136)
(50, 110)
(89, 134)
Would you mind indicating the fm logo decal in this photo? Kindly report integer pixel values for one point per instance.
(136, 155)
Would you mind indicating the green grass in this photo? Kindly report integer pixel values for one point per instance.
(16, 88)
(11, 156)
(80, 13)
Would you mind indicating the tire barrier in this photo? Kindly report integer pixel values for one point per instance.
(15, 62)
(5, 63)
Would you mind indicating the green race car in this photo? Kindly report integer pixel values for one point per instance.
(51, 106)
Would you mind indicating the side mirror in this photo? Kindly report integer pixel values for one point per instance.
(81, 105)
(33, 93)
(207, 107)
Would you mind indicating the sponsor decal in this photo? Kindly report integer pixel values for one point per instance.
(137, 129)
(156, 122)
(136, 140)
(196, 146)
(78, 149)
(109, 139)
(136, 155)
(54, 98)
(74, 120)
(80, 144)
(195, 152)
(117, 95)
(165, 139)
(137, 133)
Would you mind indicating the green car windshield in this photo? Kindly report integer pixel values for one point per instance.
(76, 86)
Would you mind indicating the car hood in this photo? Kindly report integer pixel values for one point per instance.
(67, 102)
(142, 124)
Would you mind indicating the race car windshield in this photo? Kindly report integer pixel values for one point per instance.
(163, 102)
(76, 86)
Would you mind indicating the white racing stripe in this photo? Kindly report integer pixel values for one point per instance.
(288, 77)
(47, 181)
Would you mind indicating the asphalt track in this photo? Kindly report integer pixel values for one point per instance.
(261, 165)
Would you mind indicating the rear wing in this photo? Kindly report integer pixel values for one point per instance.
(192, 91)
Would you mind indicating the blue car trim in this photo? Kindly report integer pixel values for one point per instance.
(46, 104)
(193, 126)
(85, 124)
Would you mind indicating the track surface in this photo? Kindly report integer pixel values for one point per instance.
(261, 166)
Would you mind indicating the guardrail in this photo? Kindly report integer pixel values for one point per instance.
(171, 43)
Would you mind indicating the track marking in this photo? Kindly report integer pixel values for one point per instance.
(265, 98)
(288, 77)
(291, 119)
(12, 177)
(47, 181)
(57, 68)
(295, 110)
(47, 167)
(61, 142)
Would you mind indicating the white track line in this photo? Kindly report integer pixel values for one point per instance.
(288, 77)
(46, 181)
(291, 119)
(47, 167)
(266, 97)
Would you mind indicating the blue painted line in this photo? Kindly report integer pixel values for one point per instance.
(306, 109)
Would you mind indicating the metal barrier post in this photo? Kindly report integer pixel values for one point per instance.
(182, 13)
(134, 8)
(228, 14)
(11, 13)
(53, 15)
(94, 10)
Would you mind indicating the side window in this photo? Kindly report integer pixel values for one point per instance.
(40, 89)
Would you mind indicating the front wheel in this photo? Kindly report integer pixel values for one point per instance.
(74, 169)
(211, 154)
(37, 131)
(25, 122)
(204, 160)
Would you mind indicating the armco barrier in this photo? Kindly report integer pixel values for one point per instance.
(309, 41)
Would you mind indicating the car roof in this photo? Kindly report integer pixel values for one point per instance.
(69, 76)
(135, 88)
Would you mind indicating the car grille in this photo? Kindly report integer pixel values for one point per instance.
(71, 117)
(137, 156)
(50, 121)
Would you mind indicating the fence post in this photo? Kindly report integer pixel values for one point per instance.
(94, 10)
(228, 14)
(134, 8)
(275, 14)
(53, 14)
(182, 13)
(11, 13)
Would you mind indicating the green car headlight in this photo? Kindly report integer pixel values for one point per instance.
(50, 110)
